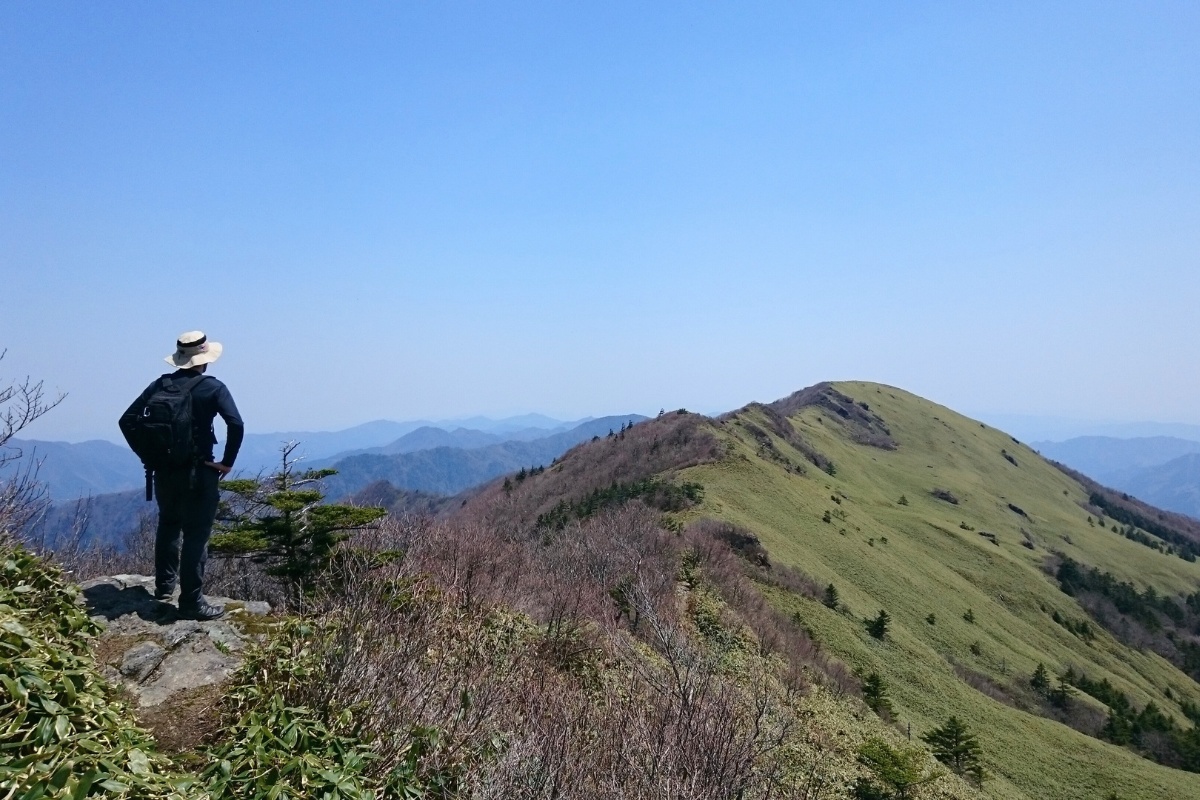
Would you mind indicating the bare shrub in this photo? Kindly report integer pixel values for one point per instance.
(776, 632)
(22, 498)
(985, 685)
(412, 657)
(601, 687)
(795, 581)
(243, 579)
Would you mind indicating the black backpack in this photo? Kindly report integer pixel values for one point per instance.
(163, 433)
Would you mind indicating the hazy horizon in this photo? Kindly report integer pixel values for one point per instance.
(423, 212)
(1029, 427)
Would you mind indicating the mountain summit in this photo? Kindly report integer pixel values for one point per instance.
(990, 563)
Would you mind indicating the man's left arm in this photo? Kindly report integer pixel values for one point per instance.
(235, 430)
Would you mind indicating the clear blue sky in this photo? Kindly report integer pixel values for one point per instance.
(403, 210)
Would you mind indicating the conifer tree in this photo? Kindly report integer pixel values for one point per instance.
(1062, 694)
(878, 627)
(831, 597)
(956, 747)
(875, 696)
(281, 521)
(1040, 680)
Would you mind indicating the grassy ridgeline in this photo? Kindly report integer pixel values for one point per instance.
(926, 556)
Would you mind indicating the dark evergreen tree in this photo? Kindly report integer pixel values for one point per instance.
(1040, 680)
(875, 696)
(878, 627)
(956, 747)
(1061, 695)
(831, 597)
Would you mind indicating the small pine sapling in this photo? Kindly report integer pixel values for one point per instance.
(280, 521)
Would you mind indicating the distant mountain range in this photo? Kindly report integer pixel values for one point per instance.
(448, 469)
(74, 470)
(260, 451)
(1161, 470)
(426, 460)
(1033, 428)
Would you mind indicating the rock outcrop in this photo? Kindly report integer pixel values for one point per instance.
(155, 655)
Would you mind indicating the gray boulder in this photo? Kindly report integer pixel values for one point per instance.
(153, 653)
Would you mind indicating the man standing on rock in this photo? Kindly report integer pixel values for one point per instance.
(170, 427)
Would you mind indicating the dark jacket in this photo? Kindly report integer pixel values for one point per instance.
(209, 398)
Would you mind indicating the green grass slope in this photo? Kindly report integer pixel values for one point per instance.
(768, 483)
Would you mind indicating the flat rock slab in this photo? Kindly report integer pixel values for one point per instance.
(142, 659)
(151, 651)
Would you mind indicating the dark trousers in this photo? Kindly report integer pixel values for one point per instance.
(187, 506)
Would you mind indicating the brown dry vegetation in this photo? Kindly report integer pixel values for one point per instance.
(674, 441)
(611, 659)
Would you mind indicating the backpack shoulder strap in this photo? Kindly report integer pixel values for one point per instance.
(191, 383)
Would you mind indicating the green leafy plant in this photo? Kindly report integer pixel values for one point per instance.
(275, 752)
(64, 736)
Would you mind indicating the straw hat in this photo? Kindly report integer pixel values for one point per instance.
(193, 349)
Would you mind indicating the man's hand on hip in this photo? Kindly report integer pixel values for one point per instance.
(219, 467)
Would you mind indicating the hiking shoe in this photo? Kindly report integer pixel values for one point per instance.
(163, 595)
(203, 611)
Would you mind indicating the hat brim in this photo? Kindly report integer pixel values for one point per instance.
(211, 354)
